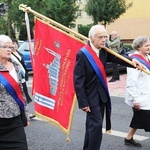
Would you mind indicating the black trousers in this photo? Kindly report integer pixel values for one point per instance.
(93, 135)
(115, 74)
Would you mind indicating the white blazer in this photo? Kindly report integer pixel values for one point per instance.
(138, 88)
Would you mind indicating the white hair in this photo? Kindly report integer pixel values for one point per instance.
(5, 39)
(139, 41)
(92, 31)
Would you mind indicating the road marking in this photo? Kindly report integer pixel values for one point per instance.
(124, 134)
(36, 118)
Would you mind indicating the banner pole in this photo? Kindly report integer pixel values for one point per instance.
(46, 19)
(72, 33)
(126, 60)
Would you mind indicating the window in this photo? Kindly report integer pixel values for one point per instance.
(88, 16)
(79, 1)
(79, 13)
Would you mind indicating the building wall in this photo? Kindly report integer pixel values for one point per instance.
(135, 22)
(84, 19)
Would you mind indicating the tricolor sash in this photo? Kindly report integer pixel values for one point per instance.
(141, 60)
(97, 66)
(100, 71)
(12, 87)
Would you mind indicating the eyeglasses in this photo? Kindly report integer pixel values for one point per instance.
(7, 47)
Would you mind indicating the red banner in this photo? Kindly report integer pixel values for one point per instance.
(54, 60)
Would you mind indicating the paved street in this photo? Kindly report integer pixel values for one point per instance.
(117, 88)
(45, 136)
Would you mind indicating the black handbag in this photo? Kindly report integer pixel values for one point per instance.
(23, 118)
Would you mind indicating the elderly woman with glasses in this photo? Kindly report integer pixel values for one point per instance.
(12, 100)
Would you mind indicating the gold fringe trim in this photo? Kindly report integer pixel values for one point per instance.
(57, 124)
(67, 139)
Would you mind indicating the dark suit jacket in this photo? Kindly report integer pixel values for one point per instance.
(89, 90)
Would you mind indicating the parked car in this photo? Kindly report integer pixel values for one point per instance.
(24, 49)
(20, 42)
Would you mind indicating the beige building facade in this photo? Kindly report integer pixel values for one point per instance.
(82, 17)
(135, 22)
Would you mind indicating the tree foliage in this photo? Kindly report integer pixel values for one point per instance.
(106, 11)
(62, 11)
(84, 29)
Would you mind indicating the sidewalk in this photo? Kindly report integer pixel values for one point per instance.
(117, 88)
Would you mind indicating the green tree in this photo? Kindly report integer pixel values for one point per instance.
(63, 11)
(3, 24)
(84, 29)
(18, 16)
(3, 19)
(106, 11)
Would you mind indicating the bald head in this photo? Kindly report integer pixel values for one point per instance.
(113, 34)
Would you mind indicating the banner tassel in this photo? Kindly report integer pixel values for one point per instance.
(67, 139)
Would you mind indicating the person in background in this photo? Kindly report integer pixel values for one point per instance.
(138, 91)
(12, 100)
(90, 85)
(18, 57)
(114, 44)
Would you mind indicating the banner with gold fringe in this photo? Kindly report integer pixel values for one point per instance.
(54, 60)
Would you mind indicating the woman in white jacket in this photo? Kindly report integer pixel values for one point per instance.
(138, 90)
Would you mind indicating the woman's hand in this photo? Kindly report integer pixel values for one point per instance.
(136, 106)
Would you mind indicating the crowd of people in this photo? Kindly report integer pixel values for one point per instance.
(90, 85)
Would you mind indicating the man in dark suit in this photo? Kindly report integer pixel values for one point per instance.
(91, 85)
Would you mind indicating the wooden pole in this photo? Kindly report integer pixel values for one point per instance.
(74, 34)
(46, 19)
(126, 60)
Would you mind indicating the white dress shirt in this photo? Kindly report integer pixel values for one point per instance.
(95, 49)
